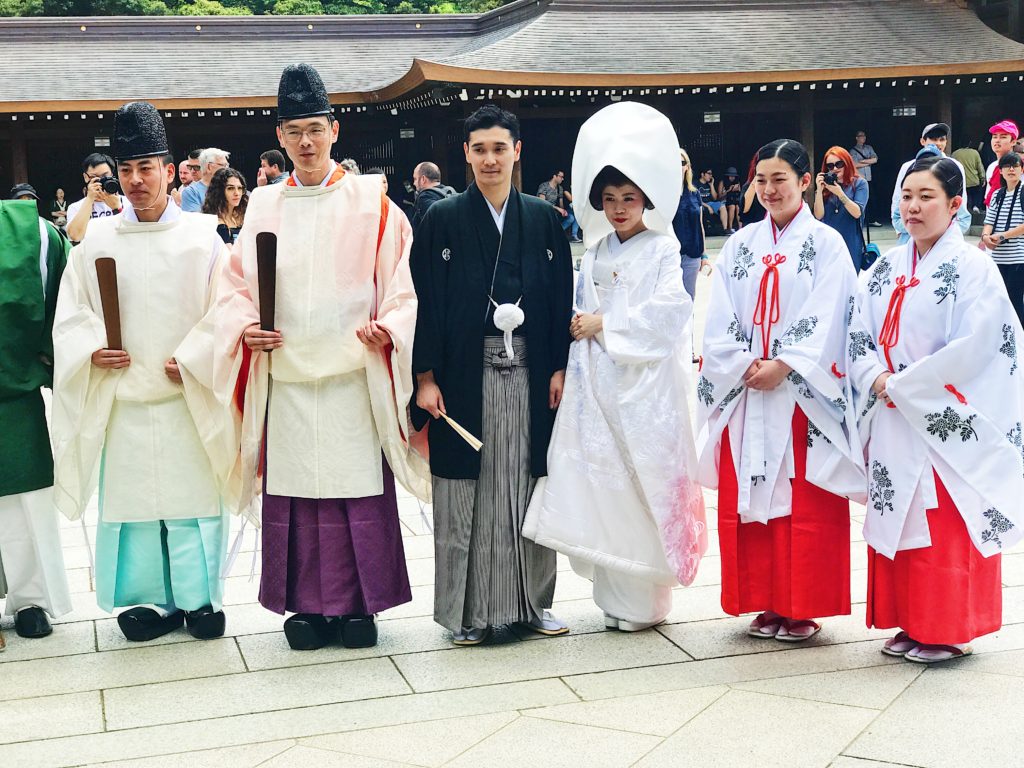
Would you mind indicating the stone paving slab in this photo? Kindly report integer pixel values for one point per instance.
(695, 691)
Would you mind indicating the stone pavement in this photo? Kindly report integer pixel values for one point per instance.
(693, 692)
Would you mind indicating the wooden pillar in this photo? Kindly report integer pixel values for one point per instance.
(807, 135)
(19, 153)
(439, 144)
(945, 106)
(807, 122)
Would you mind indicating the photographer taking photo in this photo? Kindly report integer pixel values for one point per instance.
(840, 199)
(102, 195)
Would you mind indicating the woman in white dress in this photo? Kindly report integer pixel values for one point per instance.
(620, 498)
(940, 397)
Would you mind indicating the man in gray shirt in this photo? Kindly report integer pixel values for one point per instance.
(864, 157)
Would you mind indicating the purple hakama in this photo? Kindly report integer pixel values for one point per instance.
(333, 557)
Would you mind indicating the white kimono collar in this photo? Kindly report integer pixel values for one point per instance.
(326, 179)
(171, 213)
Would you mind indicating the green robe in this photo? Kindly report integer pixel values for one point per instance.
(26, 345)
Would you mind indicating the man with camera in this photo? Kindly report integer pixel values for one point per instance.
(102, 195)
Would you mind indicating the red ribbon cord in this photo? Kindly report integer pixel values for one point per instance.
(952, 390)
(700, 363)
(890, 335)
(837, 373)
(766, 311)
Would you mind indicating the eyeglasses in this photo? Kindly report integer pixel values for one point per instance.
(316, 133)
(193, 167)
(838, 165)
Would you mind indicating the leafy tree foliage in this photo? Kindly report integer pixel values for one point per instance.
(239, 7)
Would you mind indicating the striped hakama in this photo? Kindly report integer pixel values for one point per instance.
(486, 573)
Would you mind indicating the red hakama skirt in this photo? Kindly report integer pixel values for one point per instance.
(943, 594)
(797, 566)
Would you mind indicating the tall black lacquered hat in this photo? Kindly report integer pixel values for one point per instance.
(138, 132)
(301, 93)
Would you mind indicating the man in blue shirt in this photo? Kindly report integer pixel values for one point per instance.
(211, 160)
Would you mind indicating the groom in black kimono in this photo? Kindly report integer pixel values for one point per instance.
(493, 275)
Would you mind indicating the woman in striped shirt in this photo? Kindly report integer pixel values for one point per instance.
(1003, 234)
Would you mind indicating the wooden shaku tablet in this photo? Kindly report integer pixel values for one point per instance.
(266, 269)
(106, 276)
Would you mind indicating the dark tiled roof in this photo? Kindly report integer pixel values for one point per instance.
(742, 37)
(236, 61)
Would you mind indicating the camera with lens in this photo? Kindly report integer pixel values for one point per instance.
(109, 185)
(831, 177)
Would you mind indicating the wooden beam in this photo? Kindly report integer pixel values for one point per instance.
(19, 154)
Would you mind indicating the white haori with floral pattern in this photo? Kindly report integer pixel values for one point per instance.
(816, 285)
(621, 489)
(958, 394)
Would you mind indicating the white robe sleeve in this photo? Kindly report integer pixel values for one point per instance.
(82, 394)
(965, 401)
(650, 331)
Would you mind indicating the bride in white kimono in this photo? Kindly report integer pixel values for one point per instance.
(620, 498)
(933, 363)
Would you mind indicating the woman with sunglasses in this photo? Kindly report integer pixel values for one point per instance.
(841, 204)
(689, 228)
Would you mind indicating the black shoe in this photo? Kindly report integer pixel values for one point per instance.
(32, 622)
(358, 631)
(308, 631)
(143, 624)
(206, 623)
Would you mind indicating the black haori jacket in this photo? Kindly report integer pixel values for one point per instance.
(452, 274)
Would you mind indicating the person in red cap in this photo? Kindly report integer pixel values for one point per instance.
(1004, 133)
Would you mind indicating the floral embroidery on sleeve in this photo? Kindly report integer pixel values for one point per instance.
(799, 331)
(949, 422)
(807, 253)
(736, 331)
(882, 275)
(743, 263)
(997, 524)
(1009, 347)
(881, 492)
(705, 391)
(860, 343)
(948, 276)
(732, 395)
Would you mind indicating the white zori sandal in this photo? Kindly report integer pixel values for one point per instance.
(900, 645)
(797, 630)
(929, 653)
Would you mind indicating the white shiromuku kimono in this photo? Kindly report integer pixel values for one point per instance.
(621, 492)
(958, 394)
(785, 295)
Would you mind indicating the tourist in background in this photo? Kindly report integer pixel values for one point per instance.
(59, 209)
(227, 199)
(864, 160)
(730, 192)
(974, 171)
(688, 226)
(1004, 134)
(840, 199)
(211, 160)
(751, 210)
(1003, 234)
(272, 168)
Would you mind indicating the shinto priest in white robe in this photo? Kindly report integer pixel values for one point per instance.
(133, 431)
(621, 497)
(958, 394)
(785, 295)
